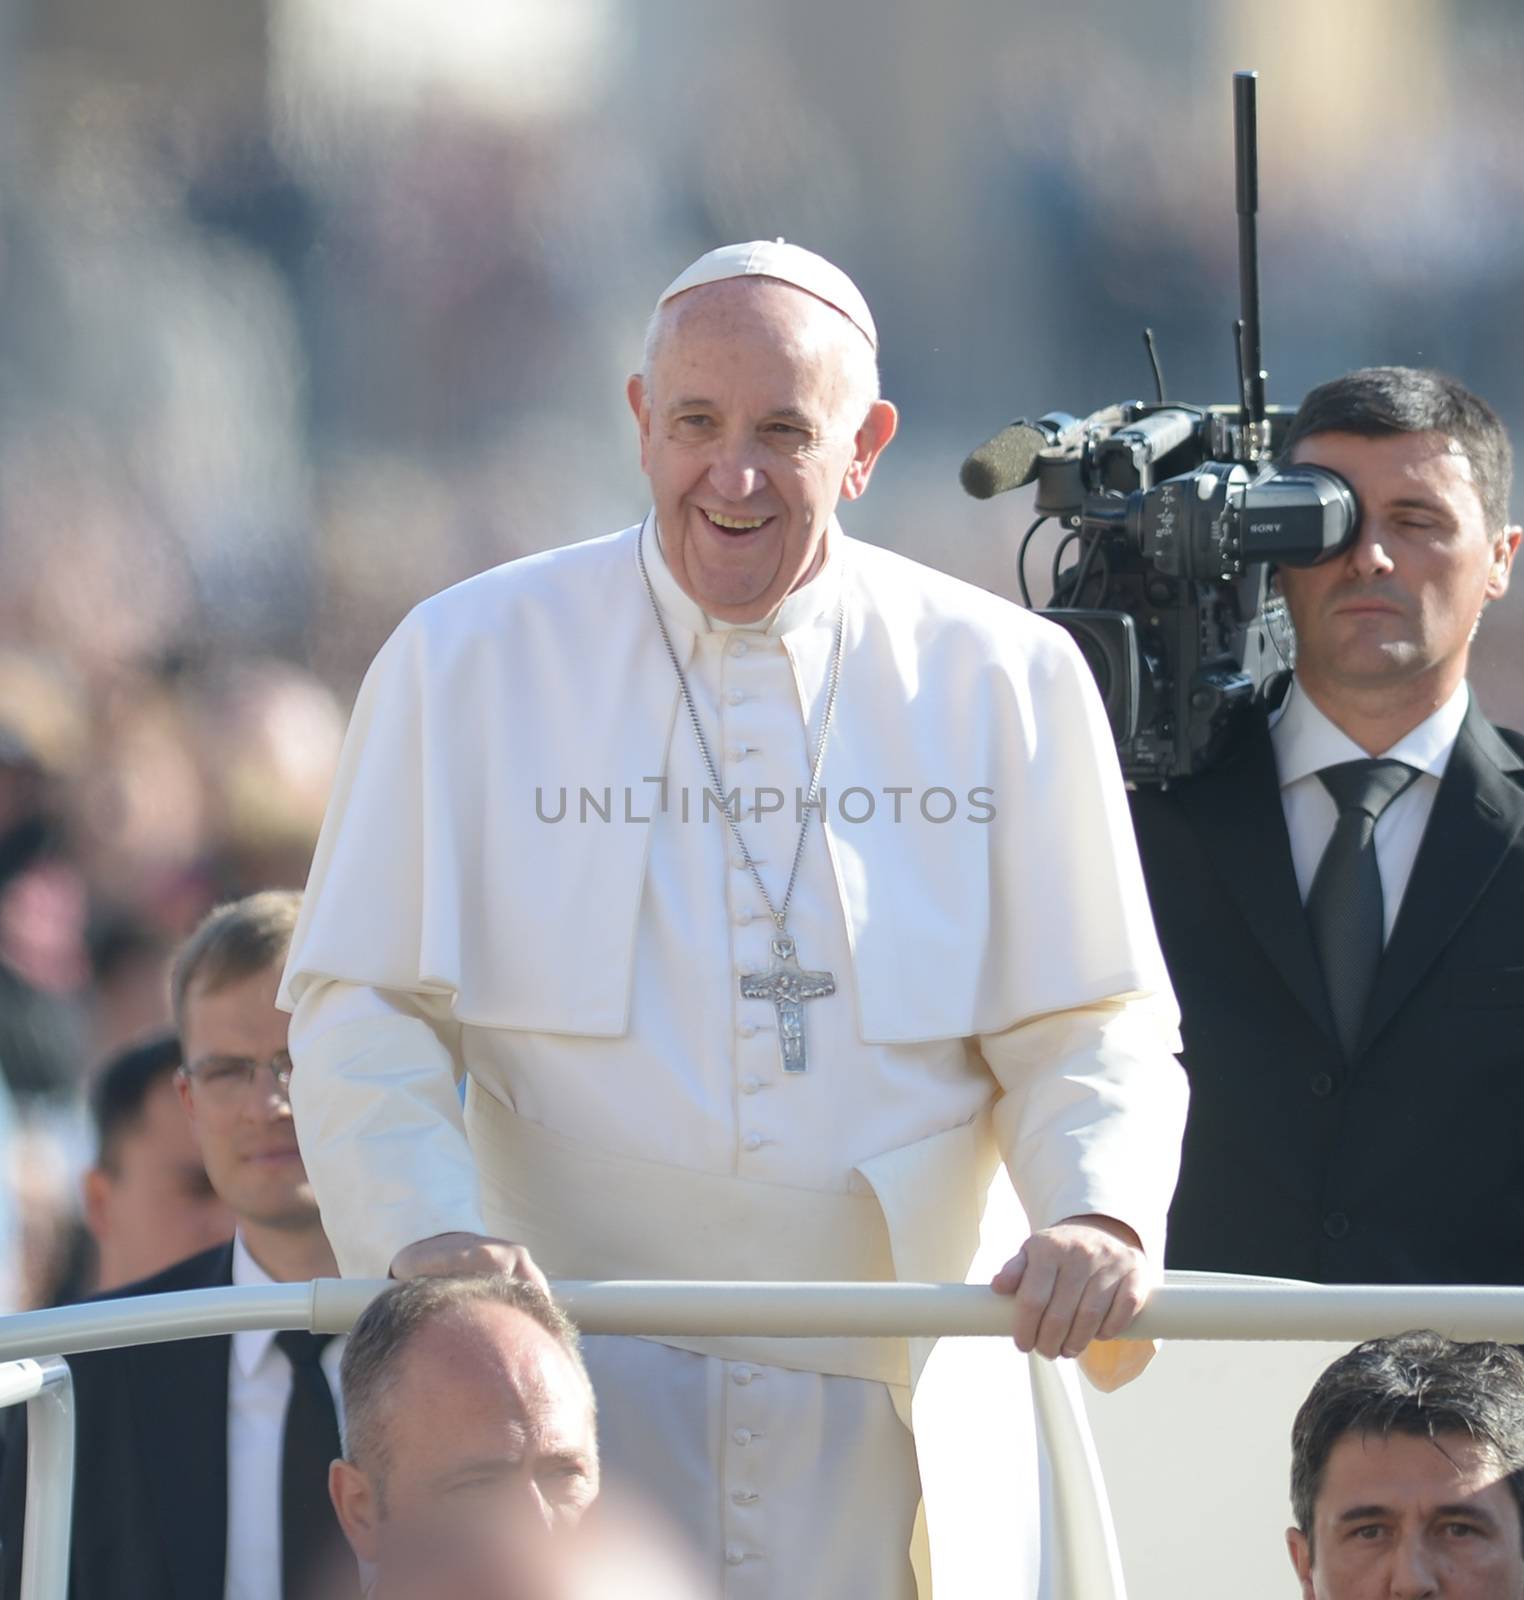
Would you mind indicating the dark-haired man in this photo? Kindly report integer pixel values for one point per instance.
(148, 1201)
(1339, 898)
(1407, 1474)
(201, 1465)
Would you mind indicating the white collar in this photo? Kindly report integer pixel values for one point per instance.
(812, 600)
(1306, 741)
(250, 1345)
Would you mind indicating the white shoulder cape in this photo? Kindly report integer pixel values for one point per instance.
(435, 872)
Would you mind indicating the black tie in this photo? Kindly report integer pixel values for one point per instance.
(1344, 906)
(309, 1531)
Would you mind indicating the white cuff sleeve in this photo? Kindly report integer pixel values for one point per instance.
(1092, 1112)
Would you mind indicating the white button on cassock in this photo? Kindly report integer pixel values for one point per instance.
(750, 1085)
(747, 1030)
(735, 697)
(734, 1556)
(752, 1141)
(742, 1436)
(742, 1375)
(738, 647)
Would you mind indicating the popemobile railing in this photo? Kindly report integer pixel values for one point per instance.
(32, 1342)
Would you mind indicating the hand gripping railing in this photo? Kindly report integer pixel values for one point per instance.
(1230, 1310)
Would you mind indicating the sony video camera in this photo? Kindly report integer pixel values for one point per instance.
(1176, 517)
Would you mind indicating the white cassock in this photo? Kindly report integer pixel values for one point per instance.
(498, 892)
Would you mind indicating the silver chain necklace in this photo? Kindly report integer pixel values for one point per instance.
(784, 983)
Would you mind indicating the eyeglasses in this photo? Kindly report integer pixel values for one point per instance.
(224, 1079)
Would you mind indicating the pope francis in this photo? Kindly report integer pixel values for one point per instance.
(776, 899)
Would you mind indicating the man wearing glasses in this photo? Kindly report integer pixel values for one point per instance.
(202, 1465)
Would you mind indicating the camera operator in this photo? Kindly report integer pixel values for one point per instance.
(1341, 896)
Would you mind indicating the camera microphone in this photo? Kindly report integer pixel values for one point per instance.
(1010, 459)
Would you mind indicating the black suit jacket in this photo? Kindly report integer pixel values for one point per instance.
(151, 1461)
(1406, 1163)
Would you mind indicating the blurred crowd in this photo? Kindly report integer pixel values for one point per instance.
(264, 382)
(128, 805)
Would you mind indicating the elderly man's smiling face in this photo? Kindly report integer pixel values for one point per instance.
(756, 416)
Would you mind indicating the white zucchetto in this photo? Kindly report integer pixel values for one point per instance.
(788, 263)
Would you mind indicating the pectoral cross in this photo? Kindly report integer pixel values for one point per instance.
(788, 988)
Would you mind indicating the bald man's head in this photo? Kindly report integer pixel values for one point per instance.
(464, 1398)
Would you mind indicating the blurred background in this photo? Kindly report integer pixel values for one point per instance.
(309, 308)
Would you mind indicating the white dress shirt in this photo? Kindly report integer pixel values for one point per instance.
(1305, 742)
(259, 1385)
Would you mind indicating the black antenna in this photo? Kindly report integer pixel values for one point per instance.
(1246, 157)
(1238, 354)
(1153, 361)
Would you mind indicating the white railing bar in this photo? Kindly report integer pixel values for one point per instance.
(1175, 1311)
(805, 1310)
(48, 1392)
(1338, 1313)
(20, 1381)
(157, 1318)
